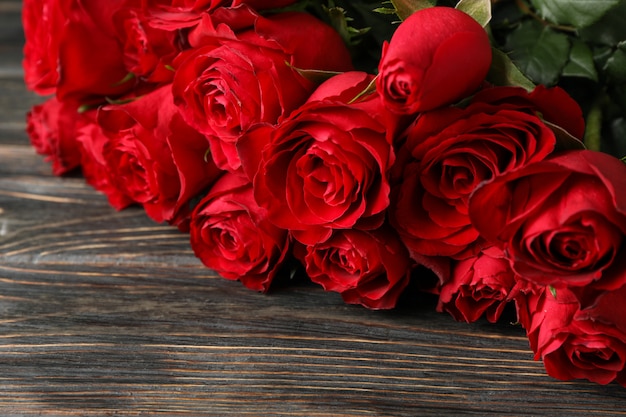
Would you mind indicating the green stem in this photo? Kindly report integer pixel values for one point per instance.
(593, 126)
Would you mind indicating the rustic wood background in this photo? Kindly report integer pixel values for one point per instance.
(105, 313)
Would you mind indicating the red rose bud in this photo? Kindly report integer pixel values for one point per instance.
(437, 56)
(93, 140)
(154, 157)
(479, 285)
(64, 48)
(230, 234)
(367, 268)
(42, 21)
(232, 81)
(561, 221)
(52, 128)
(148, 51)
(577, 343)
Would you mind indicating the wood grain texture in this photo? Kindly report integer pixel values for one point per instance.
(105, 313)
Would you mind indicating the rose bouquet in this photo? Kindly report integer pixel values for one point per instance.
(370, 144)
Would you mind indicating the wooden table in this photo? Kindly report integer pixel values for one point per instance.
(105, 313)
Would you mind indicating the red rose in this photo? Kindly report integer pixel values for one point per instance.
(577, 344)
(325, 166)
(72, 45)
(154, 157)
(370, 268)
(478, 285)
(42, 21)
(437, 56)
(229, 82)
(560, 221)
(92, 141)
(52, 129)
(453, 150)
(231, 234)
(148, 51)
(207, 5)
(183, 16)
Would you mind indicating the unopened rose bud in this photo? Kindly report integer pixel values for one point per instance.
(437, 56)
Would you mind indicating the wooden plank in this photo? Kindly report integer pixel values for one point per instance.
(11, 38)
(15, 101)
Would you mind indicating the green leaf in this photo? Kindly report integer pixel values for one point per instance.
(601, 55)
(552, 290)
(609, 30)
(616, 65)
(618, 97)
(480, 10)
(340, 21)
(315, 76)
(580, 62)
(371, 87)
(120, 101)
(504, 72)
(86, 107)
(539, 51)
(618, 130)
(564, 140)
(579, 13)
(126, 79)
(384, 10)
(405, 8)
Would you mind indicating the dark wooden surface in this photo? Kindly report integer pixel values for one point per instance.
(108, 314)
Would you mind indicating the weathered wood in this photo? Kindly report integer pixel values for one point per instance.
(108, 313)
(14, 101)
